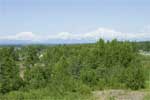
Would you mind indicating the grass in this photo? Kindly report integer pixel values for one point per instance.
(45, 94)
(146, 62)
(147, 97)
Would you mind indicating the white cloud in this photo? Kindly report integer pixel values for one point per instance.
(104, 33)
(21, 36)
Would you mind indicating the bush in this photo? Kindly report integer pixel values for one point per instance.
(37, 76)
(134, 77)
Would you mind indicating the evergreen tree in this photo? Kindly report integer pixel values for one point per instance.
(9, 72)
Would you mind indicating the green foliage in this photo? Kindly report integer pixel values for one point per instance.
(70, 69)
(145, 46)
(45, 94)
(134, 77)
(89, 77)
(37, 76)
(29, 55)
(9, 71)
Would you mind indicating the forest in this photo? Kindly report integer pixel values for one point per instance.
(71, 71)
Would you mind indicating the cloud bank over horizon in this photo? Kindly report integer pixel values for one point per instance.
(93, 36)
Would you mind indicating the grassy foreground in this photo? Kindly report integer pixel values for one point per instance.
(45, 94)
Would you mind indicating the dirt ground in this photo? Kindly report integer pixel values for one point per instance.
(119, 95)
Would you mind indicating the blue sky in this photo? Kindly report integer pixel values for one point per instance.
(74, 17)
